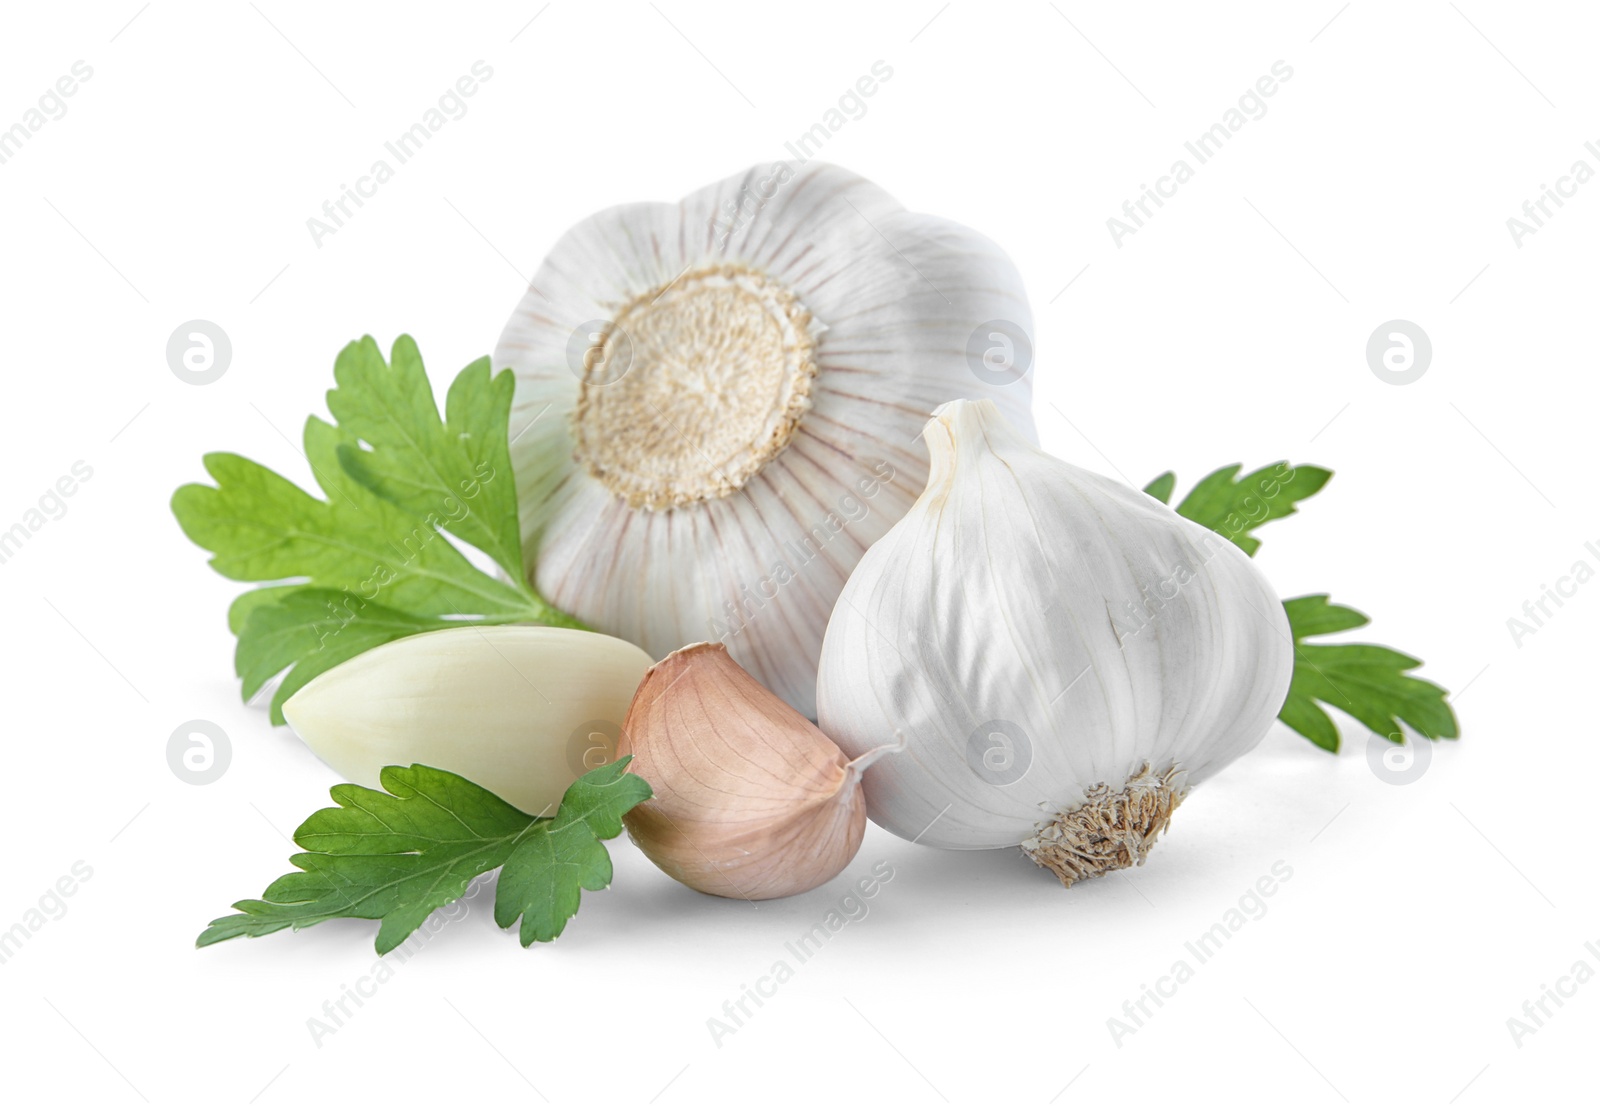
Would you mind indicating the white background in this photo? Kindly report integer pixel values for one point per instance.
(1418, 918)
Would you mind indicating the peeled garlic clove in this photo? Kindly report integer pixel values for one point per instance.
(751, 801)
(520, 710)
(1066, 656)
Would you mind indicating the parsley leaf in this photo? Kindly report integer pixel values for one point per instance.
(312, 630)
(458, 470)
(1234, 505)
(260, 526)
(399, 854)
(1161, 487)
(369, 563)
(1367, 682)
(542, 878)
(245, 604)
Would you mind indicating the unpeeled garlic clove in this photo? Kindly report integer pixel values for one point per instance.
(520, 710)
(751, 801)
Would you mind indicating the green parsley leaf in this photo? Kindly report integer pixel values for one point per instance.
(312, 630)
(457, 471)
(396, 857)
(1235, 505)
(245, 604)
(399, 854)
(260, 526)
(1161, 487)
(1367, 682)
(542, 879)
(369, 563)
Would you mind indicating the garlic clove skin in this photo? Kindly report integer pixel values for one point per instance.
(520, 710)
(672, 488)
(751, 801)
(1066, 655)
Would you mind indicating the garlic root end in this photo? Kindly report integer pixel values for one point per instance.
(1109, 830)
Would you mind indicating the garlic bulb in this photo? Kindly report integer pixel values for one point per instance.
(1065, 655)
(718, 403)
(520, 710)
(751, 800)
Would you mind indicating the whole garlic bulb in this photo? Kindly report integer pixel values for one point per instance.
(718, 402)
(751, 800)
(520, 710)
(1065, 655)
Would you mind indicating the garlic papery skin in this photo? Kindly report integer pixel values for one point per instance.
(751, 801)
(520, 710)
(1065, 655)
(718, 403)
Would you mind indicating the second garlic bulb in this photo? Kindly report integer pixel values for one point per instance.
(1065, 655)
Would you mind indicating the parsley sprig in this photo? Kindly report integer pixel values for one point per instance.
(369, 563)
(1367, 682)
(1370, 683)
(399, 854)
